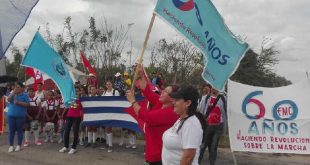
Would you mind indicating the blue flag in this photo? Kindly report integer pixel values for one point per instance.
(200, 23)
(13, 16)
(44, 58)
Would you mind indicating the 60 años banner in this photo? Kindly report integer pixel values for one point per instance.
(271, 120)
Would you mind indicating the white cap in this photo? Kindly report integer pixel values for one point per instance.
(117, 74)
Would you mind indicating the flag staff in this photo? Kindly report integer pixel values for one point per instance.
(143, 49)
(21, 61)
(84, 68)
(234, 157)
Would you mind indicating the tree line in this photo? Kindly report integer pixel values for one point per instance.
(177, 60)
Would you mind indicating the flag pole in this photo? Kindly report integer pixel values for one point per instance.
(84, 68)
(26, 79)
(234, 157)
(143, 49)
(38, 30)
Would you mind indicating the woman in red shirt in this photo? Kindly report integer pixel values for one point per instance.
(74, 117)
(157, 119)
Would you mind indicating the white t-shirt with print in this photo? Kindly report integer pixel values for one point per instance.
(110, 93)
(35, 101)
(50, 105)
(188, 137)
(60, 103)
(40, 95)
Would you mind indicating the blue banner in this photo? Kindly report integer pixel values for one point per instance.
(201, 23)
(13, 16)
(44, 58)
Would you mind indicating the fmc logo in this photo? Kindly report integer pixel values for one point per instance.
(187, 6)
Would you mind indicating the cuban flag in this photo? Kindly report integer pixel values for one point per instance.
(110, 111)
(13, 16)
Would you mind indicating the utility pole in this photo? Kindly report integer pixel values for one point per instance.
(130, 52)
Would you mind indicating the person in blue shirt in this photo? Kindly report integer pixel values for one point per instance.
(18, 103)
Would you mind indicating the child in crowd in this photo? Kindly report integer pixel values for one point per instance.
(61, 114)
(92, 130)
(32, 118)
(50, 114)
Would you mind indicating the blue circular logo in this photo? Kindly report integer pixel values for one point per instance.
(184, 6)
(59, 67)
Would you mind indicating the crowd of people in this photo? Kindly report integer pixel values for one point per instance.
(179, 121)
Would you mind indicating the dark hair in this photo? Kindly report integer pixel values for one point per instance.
(189, 92)
(51, 92)
(84, 89)
(30, 89)
(20, 84)
(207, 85)
(174, 87)
(57, 91)
(92, 86)
(109, 80)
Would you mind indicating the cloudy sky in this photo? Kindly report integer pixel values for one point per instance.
(286, 22)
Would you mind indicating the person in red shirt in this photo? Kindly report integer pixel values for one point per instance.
(215, 117)
(157, 119)
(92, 80)
(74, 117)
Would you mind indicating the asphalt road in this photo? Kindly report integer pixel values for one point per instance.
(48, 154)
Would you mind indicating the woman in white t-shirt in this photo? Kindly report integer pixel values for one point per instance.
(181, 142)
(109, 92)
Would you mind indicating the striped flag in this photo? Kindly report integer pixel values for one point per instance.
(108, 111)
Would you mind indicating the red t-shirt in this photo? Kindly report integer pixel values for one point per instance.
(215, 117)
(75, 112)
(92, 81)
(157, 121)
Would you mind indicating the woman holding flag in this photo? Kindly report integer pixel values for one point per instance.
(157, 119)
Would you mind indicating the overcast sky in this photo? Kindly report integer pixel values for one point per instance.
(285, 21)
